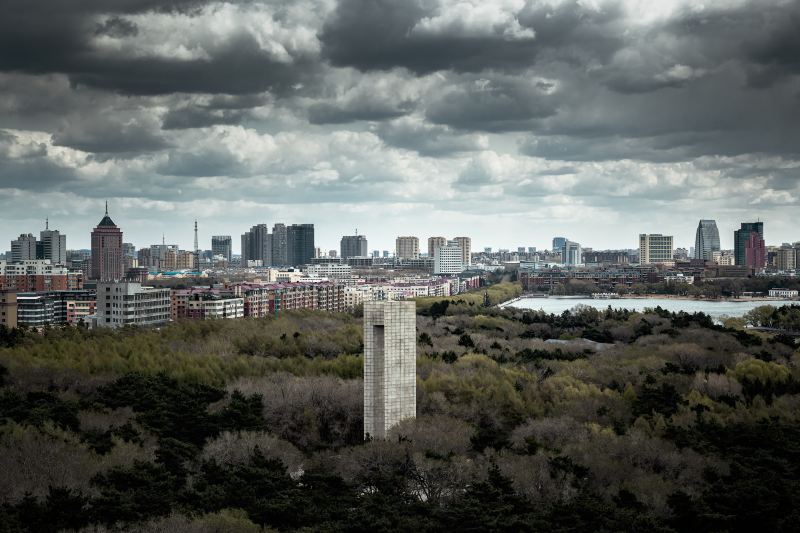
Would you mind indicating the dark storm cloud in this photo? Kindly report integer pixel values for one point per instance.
(117, 27)
(761, 36)
(41, 36)
(48, 37)
(427, 139)
(201, 117)
(206, 164)
(600, 149)
(238, 67)
(381, 35)
(495, 103)
(110, 136)
(25, 165)
(666, 148)
(219, 109)
(325, 113)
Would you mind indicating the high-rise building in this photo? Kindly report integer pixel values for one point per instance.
(23, 248)
(157, 256)
(52, 246)
(755, 253)
(434, 243)
(786, 257)
(390, 365)
(280, 245)
(558, 244)
(571, 253)
(300, 244)
(407, 248)
(129, 257)
(655, 248)
(257, 245)
(466, 250)
(106, 261)
(353, 246)
(796, 247)
(449, 259)
(222, 245)
(706, 241)
(741, 236)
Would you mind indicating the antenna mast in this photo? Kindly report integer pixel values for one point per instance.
(196, 249)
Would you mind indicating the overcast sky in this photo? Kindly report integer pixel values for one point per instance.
(509, 121)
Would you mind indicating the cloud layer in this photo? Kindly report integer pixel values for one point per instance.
(510, 121)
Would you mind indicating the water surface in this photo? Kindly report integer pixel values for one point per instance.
(715, 309)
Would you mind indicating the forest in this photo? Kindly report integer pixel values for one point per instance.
(585, 421)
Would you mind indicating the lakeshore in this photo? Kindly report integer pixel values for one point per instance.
(716, 308)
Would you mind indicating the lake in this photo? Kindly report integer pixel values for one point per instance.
(715, 309)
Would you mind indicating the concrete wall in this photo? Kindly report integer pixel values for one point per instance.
(390, 365)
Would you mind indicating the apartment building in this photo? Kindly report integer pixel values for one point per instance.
(128, 303)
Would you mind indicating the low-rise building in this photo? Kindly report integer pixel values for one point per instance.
(8, 309)
(208, 306)
(128, 303)
(79, 311)
(679, 278)
(37, 275)
(783, 293)
(46, 309)
(723, 257)
(607, 279)
(353, 297)
(329, 270)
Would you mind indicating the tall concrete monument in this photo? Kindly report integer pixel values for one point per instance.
(390, 365)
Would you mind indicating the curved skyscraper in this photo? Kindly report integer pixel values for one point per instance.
(707, 240)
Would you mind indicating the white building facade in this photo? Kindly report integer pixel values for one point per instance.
(449, 259)
(783, 293)
(128, 303)
(216, 308)
(655, 248)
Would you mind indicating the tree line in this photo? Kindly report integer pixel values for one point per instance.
(603, 420)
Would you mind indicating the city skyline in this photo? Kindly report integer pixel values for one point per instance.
(508, 121)
(682, 240)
